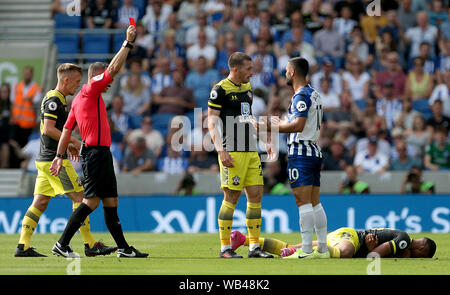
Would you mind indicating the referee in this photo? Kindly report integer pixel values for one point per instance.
(89, 113)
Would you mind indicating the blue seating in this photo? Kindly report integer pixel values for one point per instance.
(64, 21)
(96, 43)
(118, 41)
(422, 106)
(66, 43)
(161, 123)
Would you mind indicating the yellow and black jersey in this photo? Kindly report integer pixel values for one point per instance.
(398, 240)
(53, 107)
(235, 105)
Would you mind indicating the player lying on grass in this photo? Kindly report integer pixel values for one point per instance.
(347, 242)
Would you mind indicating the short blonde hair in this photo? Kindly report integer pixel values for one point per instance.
(67, 68)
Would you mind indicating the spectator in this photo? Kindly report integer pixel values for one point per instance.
(338, 158)
(327, 72)
(406, 15)
(176, 99)
(100, 14)
(438, 118)
(268, 59)
(344, 24)
(173, 163)
(162, 77)
(170, 49)
(251, 19)
(370, 25)
(330, 100)
(372, 132)
(437, 13)
(202, 161)
(393, 26)
(28, 153)
(351, 184)
(265, 19)
(236, 26)
(358, 48)
(357, 8)
(187, 13)
(136, 98)
(138, 158)
(224, 54)
(429, 62)
(314, 12)
(306, 50)
(418, 136)
(192, 34)
(371, 160)
(155, 18)
(121, 120)
(393, 73)
(384, 44)
(144, 40)
(186, 187)
(396, 135)
(201, 48)
(406, 117)
(173, 25)
(403, 162)
(442, 93)
(437, 153)
(136, 67)
(424, 31)
(328, 42)
(261, 79)
(153, 138)
(259, 104)
(443, 61)
(445, 28)
(126, 11)
(5, 113)
(345, 135)
(347, 112)
(201, 80)
(278, 16)
(413, 183)
(356, 80)
(26, 94)
(288, 53)
(389, 107)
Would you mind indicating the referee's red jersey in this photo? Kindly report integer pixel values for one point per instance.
(89, 112)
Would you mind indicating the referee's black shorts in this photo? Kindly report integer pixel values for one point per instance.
(99, 178)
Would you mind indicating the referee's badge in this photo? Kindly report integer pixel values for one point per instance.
(213, 95)
(52, 106)
(301, 106)
(99, 77)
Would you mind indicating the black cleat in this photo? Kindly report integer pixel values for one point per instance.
(258, 253)
(64, 251)
(30, 252)
(229, 253)
(131, 252)
(98, 249)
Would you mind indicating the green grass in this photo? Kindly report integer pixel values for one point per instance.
(197, 254)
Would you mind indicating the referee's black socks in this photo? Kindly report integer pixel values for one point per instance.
(115, 228)
(75, 221)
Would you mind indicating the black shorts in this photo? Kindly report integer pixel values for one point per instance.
(99, 179)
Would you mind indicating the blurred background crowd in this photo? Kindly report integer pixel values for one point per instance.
(384, 81)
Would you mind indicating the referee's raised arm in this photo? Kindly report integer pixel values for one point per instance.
(119, 59)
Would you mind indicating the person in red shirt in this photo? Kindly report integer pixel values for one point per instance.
(88, 112)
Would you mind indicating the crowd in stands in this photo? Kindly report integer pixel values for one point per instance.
(384, 80)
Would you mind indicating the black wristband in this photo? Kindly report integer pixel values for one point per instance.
(59, 156)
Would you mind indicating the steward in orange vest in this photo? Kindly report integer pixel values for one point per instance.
(23, 113)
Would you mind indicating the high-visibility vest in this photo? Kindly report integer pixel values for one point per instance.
(23, 113)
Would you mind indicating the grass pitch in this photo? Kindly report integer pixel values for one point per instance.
(197, 254)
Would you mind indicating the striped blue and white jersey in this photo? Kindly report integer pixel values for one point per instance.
(307, 102)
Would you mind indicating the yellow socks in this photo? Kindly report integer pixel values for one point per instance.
(85, 229)
(269, 245)
(29, 224)
(225, 223)
(253, 222)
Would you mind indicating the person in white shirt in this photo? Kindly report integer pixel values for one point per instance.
(422, 32)
(327, 71)
(330, 99)
(442, 92)
(371, 160)
(389, 107)
(202, 25)
(202, 48)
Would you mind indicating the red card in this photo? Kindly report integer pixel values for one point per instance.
(132, 22)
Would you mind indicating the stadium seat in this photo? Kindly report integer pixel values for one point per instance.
(64, 21)
(96, 43)
(161, 122)
(422, 106)
(66, 43)
(118, 41)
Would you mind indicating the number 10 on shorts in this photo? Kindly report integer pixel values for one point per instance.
(293, 174)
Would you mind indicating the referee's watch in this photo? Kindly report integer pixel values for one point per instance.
(127, 43)
(59, 156)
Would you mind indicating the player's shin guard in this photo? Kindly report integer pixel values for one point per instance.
(29, 223)
(85, 229)
(253, 222)
(321, 227)
(226, 213)
(115, 228)
(306, 226)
